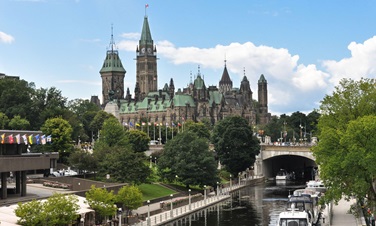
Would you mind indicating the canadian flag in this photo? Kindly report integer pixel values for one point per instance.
(146, 5)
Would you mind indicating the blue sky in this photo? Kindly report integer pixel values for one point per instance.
(303, 48)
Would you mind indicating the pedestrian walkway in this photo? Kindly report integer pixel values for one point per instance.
(341, 215)
(176, 213)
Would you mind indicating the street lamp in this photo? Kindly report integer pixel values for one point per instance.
(205, 194)
(230, 182)
(239, 178)
(171, 213)
(155, 161)
(217, 188)
(189, 195)
(120, 211)
(148, 223)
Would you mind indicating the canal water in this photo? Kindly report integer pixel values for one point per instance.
(254, 205)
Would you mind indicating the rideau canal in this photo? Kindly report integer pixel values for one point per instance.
(253, 205)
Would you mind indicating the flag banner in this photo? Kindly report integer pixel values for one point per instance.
(3, 138)
(149, 123)
(43, 139)
(182, 118)
(173, 124)
(143, 123)
(146, 5)
(24, 137)
(179, 124)
(49, 139)
(130, 124)
(37, 139)
(125, 124)
(10, 139)
(160, 124)
(18, 139)
(31, 139)
(138, 124)
(167, 124)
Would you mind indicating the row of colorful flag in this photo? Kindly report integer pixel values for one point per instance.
(26, 139)
(130, 124)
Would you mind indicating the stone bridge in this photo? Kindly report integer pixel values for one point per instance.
(298, 159)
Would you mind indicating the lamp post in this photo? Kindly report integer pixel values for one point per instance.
(239, 178)
(189, 195)
(151, 157)
(148, 222)
(155, 161)
(217, 188)
(171, 212)
(230, 182)
(205, 194)
(120, 211)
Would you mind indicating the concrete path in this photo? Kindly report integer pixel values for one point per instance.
(340, 215)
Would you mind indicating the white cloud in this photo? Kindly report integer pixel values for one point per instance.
(133, 35)
(6, 38)
(360, 64)
(307, 78)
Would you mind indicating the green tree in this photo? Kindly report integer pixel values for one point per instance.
(102, 201)
(138, 140)
(112, 134)
(59, 209)
(83, 161)
(199, 128)
(96, 124)
(60, 131)
(124, 165)
(130, 197)
(188, 157)
(18, 123)
(235, 144)
(346, 140)
(30, 213)
(4, 120)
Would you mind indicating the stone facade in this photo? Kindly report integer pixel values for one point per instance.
(169, 107)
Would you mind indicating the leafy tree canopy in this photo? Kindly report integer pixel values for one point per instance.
(130, 197)
(235, 144)
(346, 147)
(187, 158)
(138, 140)
(102, 201)
(18, 123)
(199, 128)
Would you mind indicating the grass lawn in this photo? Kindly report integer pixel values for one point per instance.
(153, 191)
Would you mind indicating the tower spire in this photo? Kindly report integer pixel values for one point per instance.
(112, 42)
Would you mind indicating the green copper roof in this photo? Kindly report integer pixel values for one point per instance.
(146, 35)
(199, 82)
(181, 100)
(262, 79)
(112, 62)
(215, 96)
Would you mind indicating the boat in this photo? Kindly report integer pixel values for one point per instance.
(284, 175)
(302, 209)
(316, 185)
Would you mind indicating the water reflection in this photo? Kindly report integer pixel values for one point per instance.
(259, 205)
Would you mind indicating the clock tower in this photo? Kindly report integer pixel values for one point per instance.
(146, 65)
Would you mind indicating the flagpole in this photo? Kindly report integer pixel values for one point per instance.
(166, 131)
(154, 130)
(160, 137)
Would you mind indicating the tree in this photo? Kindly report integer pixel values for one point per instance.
(83, 161)
(3, 121)
(18, 123)
(138, 140)
(124, 165)
(130, 197)
(199, 128)
(112, 134)
(30, 213)
(59, 209)
(102, 201)
(97, 123)
(346, 146)
(60, 131)
(234, 144)
(188, 157)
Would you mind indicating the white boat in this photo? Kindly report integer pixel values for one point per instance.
(316, 185)
(302, 209)
(281, 175)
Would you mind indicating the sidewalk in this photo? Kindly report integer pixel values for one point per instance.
(341, 217)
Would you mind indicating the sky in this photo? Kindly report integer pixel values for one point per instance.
(303, 48)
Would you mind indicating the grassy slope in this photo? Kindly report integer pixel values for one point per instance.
(153, 191)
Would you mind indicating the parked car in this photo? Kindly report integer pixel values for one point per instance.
(153, 142)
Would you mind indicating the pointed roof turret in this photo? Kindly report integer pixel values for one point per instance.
(112, 63)
(225, 84)
(146, 34)
(262, 79)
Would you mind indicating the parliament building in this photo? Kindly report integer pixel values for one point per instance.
(171, 106)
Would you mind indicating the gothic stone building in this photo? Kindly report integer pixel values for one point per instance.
(167, 105)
